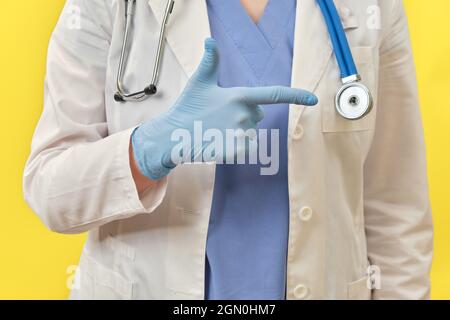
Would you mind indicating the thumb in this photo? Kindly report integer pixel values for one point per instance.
(207, 71)
(278, 94)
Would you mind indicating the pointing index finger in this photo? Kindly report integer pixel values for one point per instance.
(278, 94)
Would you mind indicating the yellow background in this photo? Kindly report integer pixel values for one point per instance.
(34, 261)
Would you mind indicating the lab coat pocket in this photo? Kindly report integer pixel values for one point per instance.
(101, 282)
(331, 121)
(359, 289)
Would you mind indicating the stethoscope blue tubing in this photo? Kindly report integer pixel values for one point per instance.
(338, 38)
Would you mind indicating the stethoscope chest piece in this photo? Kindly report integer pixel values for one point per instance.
(353, 101)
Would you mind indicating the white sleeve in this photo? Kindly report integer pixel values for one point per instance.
(397, 211)
(77, 177)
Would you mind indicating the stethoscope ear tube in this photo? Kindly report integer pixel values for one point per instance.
(338, 38)
(121, 95)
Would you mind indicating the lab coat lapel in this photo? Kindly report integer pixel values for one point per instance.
(312, 48)
(187, 30)
(312, 51)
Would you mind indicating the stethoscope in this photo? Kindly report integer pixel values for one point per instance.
(353, 100)
(151, 89)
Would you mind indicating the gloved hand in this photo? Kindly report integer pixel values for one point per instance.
(217, 108)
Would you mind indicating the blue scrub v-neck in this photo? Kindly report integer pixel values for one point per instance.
(247, 241)
(256, 42)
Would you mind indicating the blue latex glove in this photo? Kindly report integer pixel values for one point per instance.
(218, 108)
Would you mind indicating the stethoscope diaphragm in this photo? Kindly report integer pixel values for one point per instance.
(353, 101)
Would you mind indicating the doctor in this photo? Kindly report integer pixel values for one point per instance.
(347, 211)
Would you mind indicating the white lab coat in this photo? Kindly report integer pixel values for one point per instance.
(357, 189)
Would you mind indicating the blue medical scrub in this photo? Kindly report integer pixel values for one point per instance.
(248, 232)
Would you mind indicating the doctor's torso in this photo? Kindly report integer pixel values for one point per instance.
(154, 247)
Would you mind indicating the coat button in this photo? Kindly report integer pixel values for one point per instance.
(301, 291)
(298, 133)
(306, 213)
